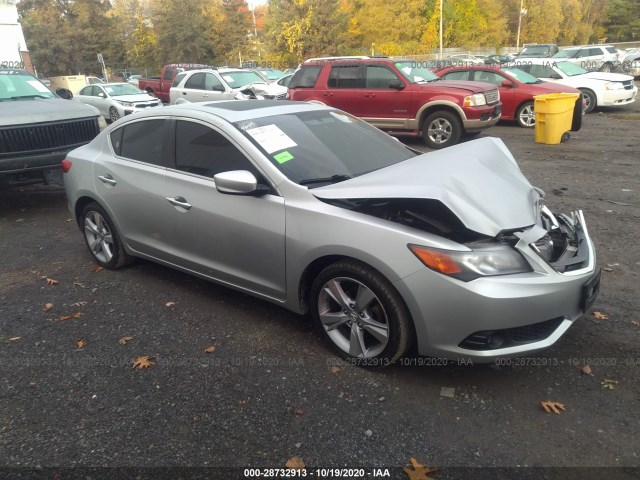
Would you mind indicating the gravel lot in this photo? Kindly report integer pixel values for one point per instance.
(268, 393)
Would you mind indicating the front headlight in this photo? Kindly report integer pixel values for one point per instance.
(467, 266)
(475, 100)
(124, 104)
(614, 86)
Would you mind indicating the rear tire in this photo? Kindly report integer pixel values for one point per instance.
(525, 116)
(102, 238)
(360, 314)
(441, 129)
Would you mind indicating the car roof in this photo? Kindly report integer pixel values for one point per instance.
(236, 110)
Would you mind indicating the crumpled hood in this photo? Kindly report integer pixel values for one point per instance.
(40, 110)
(142, 97)
(264, 88)
(479, 181)
(608, 76)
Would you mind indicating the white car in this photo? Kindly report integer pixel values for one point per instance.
(115, 100)
(600, 89)
(222, 84)
(592, 57)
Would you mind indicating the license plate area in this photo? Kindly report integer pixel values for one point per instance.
(590, 291)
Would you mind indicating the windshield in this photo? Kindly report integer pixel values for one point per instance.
(569, 53)
(118, 89)
(538, 50)
(272, 74)
(240, 79)
(415, 72)
(521, 76)
(16, 86)
(570, 69)
(321, 147)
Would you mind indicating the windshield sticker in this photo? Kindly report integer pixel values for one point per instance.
(38, 86)
(271, 138)
(283, 157)
(228, 78)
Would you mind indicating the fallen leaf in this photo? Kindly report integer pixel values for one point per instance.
(51, 281)
(241, 402)
(79, 304)
(600, 316)
(552, 407)
(124, 340)
(96, 269)
(299, 412)
(608, 383)
(13, 339)
(73, 315)
(78, 284)
(47, 307)
(419, 471)
(169, 304)
(80, 343)
(143, 362)
(210, 349)
(634, 323)
(20, 220)
(69, 220)
(586, 370)
(335, 369)
(295, 463)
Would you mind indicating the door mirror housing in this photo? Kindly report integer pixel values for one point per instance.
(396, 85)
(507, 84)
(239, 182)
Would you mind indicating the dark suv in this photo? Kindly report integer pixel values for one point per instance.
(38, 129)
(400, 96)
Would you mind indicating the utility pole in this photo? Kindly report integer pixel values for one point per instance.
(441, 28)
(521, 13)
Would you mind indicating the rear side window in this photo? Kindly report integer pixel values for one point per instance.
(143, 141)
(306, 77)
(116, 140)
(178, 79)
(611, 50)
(345, 76)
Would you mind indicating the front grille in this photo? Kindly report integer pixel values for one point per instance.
(510, 337)
(492, 96)
(42, 137)
(628, 85)
(145, 105)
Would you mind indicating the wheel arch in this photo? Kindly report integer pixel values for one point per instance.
(430, 108)
(592, 92)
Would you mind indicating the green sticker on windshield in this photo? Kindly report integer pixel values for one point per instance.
(283, 157)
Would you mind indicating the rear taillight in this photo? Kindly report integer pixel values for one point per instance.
(66, 165)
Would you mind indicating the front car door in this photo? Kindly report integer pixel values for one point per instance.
(236, 239)
(507, 94)
(381, 103)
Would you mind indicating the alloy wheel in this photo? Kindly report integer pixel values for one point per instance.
(440, 130)
(527, 116)
(99, 237)
(113, 114)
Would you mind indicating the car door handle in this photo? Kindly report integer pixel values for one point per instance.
(107, 179)
(184, 93)
(369, 95)
(205, 95)
(328, 94)
(179, 202)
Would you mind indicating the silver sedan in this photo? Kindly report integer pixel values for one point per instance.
(312, 209)
(115, 100)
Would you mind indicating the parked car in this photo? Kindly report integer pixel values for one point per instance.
(223, 84)
(134, 79)
(592, 57)
(285, 80)
(498, 59)
(602, 89)
(314, 210)
(517, 89)
(115, 100)
(464, 60)
(271, 74)
(38, 128)
(160, 86)
(399, 95)
(631, 63)
(535, 50)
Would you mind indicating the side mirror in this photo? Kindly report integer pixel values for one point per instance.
(218, 88)
(239, 182)
(102, 95)
(506, 84)
(64, 93)
(396, 85)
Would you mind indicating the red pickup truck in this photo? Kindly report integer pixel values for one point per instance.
(159, 86)
(400, 96)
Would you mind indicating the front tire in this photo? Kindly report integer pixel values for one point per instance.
(525, 116)
(441, 129)
(113, 114)
(590, 99)
(360, 314)
(102, 238)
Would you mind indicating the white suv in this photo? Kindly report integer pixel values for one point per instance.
(592, 57)
(222, 84)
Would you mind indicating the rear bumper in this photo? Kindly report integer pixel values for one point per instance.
(43, 161)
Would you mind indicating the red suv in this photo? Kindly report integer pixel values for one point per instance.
(400, 96)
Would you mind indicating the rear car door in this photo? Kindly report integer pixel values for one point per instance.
(235, 239)
(130, 180)
(344, 89)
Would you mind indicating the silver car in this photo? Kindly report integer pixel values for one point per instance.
(310, 208)
(115, 100)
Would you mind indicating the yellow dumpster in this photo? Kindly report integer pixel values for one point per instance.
(554, 116)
